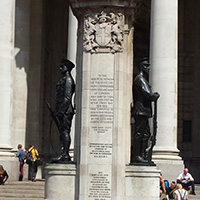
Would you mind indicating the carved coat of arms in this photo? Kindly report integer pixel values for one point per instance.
(103, 32)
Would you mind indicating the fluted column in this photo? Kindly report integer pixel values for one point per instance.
(7, 10)
(163, 58)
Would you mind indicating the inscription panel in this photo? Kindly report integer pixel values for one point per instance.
(100, 185)
(100, 139)
(101, 102)
(101, 118)
(100, 150)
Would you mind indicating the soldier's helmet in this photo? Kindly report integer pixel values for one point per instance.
(143, 64)
(70, 65)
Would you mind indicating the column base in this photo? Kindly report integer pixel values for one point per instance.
(142, 182)
(169, 162)
(10, 163)
(60, 181)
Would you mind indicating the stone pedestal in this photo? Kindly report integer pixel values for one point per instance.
(142, 182)
(60, 181)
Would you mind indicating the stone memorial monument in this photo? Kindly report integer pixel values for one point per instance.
(103, 97)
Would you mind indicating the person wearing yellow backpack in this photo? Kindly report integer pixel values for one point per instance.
(33, 162)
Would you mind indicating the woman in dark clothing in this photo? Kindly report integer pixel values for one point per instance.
(3, 175)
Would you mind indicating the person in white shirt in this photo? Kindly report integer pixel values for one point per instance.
(180, 193)
(186, 180)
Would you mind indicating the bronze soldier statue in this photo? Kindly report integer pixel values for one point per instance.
(142, 111)
(64, 110)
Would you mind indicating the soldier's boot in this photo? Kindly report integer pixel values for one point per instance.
(59, 157)
(65, 155)
(66, 144)
(143, 150)
(137, 152)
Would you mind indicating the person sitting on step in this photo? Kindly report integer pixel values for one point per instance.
(186, 180)
(3, 175)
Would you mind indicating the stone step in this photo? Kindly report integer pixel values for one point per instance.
(25, 187)
(24, 190)
(15, 198)
(23, 195)
(40, 182)
(11, 192)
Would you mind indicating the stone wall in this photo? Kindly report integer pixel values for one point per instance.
(55, 21)
(45, 35)
(188, 75)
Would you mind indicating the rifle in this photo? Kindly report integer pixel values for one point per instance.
(53, 116)
(153, 137)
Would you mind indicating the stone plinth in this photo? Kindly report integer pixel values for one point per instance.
(142, 182)
(60, 181)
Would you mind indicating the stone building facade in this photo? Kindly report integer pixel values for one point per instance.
(36, 35)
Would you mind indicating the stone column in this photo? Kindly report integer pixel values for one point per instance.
(19, 72)
(6, 62)
(103, 97)
(71, 55)
(72, 37)
(7, 158)
(163, 58)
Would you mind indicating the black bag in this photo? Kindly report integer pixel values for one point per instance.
(29, 157)
(39, 161)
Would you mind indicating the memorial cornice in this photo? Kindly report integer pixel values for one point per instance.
(81, 7)
(96, 3)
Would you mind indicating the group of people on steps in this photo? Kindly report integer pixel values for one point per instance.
(180, 190)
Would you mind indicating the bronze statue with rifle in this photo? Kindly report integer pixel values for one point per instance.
(141, 112)
(64, 109)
